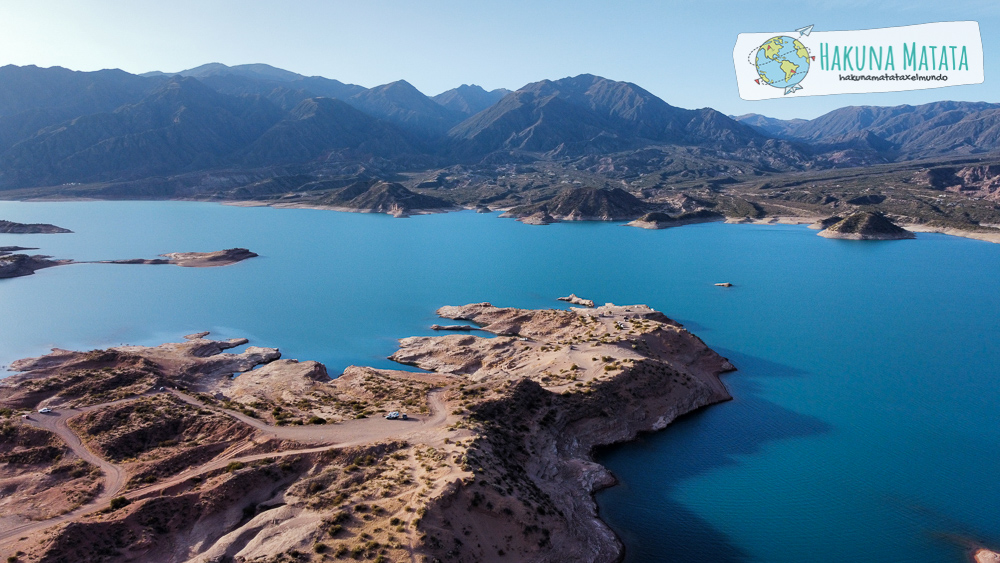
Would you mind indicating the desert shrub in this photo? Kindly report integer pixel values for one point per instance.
(119, 502)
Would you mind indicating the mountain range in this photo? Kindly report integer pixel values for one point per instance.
(66, 127)
(900, 132)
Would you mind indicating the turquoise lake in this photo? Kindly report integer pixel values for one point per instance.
(865, 424)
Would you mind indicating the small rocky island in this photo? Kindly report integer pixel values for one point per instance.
(160, 454)
(658, 220)
(866, 225)
(11, 228)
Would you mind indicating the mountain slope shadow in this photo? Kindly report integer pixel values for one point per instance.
(643, 508)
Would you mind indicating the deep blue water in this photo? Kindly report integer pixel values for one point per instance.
(864, 427)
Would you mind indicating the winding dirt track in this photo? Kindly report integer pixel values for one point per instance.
(351, 433)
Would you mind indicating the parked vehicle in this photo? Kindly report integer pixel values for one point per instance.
(45, 410)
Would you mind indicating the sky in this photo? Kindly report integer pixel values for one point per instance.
(679, 51)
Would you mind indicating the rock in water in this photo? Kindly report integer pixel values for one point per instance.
(572, 298)
(866, 225)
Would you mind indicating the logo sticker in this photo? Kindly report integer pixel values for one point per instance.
(892, 59)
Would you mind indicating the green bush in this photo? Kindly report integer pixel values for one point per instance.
(119, 502)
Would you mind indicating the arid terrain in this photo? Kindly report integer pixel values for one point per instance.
(161, 454)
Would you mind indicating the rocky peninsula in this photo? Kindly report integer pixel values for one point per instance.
(159, 454)
(11, 228)
(367, 196)
(194, 259)
(657, 220)
(14, 265)
(17, 265)
(866, 225)
(581, 204)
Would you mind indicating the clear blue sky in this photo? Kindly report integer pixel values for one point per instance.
(437, 45)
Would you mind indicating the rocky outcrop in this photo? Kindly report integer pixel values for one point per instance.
(866, 225)
(197, 363)
(209, 259)
(453, 327)
(13, 265)
(193, 259)
(978, 181)
(541, 217)
(9, 227)
(380, 197)
(278, 382)
(657, 220)
(572, 298)
(16, 265)
(584, 204)
(983, 555)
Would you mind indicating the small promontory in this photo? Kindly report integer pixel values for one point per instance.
(11, 228)
(583, 204)
(658, 220)
(866, 225)
(16, 265)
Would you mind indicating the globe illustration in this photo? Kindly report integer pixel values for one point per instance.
(782, 61)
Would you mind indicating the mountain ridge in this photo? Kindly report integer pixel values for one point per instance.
(255, 132)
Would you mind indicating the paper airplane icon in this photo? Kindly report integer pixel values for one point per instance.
(805, 30)
(792, 88)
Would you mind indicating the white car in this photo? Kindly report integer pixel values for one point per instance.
(45, 410)
(393, 415)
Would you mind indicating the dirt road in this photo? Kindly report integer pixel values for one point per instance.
(346, 434)
(349, 432)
